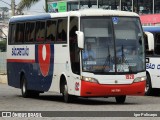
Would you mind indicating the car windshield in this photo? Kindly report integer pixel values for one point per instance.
(112, 44)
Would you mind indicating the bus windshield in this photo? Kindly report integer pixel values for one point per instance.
(112, 44)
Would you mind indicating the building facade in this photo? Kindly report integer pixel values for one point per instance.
(138, 6)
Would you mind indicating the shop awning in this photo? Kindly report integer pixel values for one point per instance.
(150, 19)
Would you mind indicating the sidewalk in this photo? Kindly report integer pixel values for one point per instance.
(3, 78)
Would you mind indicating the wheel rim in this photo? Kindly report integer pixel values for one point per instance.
(23, 88)
(147, 86)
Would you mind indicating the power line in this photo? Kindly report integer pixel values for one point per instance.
(12, 5)
(5, 2)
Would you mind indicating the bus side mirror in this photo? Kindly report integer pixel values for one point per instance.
(80, 37)
(150, 40)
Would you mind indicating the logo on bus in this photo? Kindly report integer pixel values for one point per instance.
(23, 51)
(77, 86)
(44, 54)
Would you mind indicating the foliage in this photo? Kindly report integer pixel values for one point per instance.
(3, 45)
(26, 4)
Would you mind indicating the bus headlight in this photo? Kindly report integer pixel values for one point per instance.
(139, 79)
(89, 79)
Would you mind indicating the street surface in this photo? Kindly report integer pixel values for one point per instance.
(11, 100)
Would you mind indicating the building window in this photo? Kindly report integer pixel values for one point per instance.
(143, 6)
(156, 7)
(88, 4)
(126, 5)
(72, 6)
(109, 4)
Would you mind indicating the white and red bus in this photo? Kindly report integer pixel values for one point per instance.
(45, 53)
(152, 59)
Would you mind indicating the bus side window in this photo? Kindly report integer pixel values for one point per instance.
(20, 32)
(16, 33)
(40, 31)
(51, 30)
(146, 42)
(12, 33)
(157, 44)
(30, 32)
(73, 45)
(62, 30)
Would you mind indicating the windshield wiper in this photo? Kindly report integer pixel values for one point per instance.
(107, 60)
(122, 54)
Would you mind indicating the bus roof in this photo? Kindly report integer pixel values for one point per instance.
(29, 17)
(102, 12)
(151, 28)
(84, 12)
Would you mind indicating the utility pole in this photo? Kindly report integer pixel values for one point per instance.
(153, 5)
(13, 7)
(46, 5)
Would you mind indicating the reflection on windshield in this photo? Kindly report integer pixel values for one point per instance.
(105, 52)
(128, 40)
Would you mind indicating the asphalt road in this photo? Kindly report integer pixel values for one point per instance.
(11, 100)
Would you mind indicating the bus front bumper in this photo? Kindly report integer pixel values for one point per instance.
(89, 89)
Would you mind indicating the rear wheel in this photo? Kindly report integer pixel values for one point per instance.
(120, 99)
(24, 90)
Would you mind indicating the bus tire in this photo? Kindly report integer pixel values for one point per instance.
(148, 88)
(24, 91)
(120, 99)
(66, 96)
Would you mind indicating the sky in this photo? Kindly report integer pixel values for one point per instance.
(36, 8)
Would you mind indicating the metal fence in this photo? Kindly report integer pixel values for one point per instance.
(3, 63)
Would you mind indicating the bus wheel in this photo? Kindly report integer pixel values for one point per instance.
(27, 93)
(67, 98)
(148, 88)
(120, 99)
(24, 91)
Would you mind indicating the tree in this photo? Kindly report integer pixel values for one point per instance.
(3, 46)
(26, 4)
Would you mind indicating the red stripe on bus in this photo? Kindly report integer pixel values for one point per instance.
(20, 60)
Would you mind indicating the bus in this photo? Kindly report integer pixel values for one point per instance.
(46, 53)
(152, 60)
